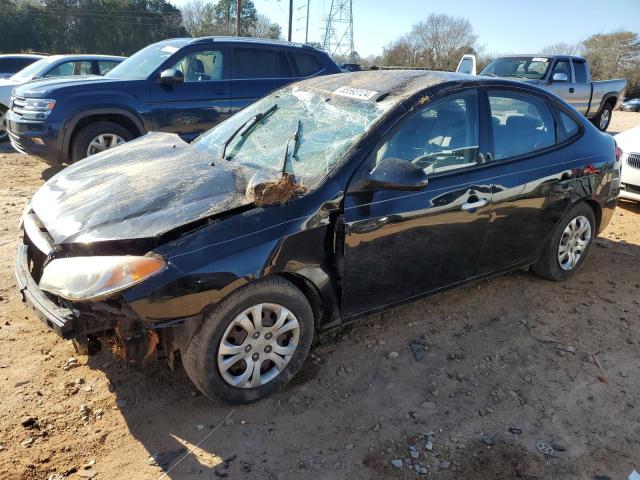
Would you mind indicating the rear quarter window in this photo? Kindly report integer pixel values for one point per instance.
(305, 64)
(7, 65)
(571, 127)
(261, 63)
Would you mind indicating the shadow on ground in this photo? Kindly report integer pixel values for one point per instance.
(493, 362)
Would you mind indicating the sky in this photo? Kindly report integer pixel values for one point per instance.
(503, 26)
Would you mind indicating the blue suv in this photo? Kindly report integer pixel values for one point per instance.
(181, 85)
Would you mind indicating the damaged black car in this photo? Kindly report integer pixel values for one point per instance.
(324, 201)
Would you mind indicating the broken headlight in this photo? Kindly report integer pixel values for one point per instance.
(94, 278)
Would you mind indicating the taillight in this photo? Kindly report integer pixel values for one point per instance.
(618, 152)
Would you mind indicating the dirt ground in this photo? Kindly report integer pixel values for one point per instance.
(510, 362)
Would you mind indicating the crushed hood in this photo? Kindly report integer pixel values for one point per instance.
(142, 189)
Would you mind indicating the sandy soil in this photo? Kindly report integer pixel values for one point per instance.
(509, 363)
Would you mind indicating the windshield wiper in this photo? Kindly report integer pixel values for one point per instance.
(246, 128)
(516, 75)
(297, 136)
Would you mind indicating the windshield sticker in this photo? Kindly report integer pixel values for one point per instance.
(353, 92)
(540, 59)
(169, 49)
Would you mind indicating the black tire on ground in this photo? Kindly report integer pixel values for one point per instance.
(200, 359)
(603, 118)
(84, 137)
(548, 266)
(4, 133)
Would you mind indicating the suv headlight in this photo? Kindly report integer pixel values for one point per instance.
(34, 108)
(95, 278)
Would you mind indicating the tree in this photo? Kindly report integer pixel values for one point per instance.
(615, 55)
(265, 28)
(86, 26)
(198, 18)
(436, 43)
(562, 48)
(225, 17)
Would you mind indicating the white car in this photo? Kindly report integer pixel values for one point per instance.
(49, 67)
(629, 142)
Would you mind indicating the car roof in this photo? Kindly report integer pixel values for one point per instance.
(23, 55)
(542, 55)
(392, 83)
(242, 40)
(81, 56)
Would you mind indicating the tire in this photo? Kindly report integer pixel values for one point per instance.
(4, 131)
(204, 363)
(87, 134)
(549, 266)
(603, 119)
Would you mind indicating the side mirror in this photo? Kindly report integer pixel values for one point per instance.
(560, 77)
(171, 76)
(395, 174)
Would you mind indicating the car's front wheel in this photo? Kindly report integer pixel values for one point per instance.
(98, 137)
(565, 252)
(251, 343)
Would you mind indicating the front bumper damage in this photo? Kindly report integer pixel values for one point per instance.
(59, 319)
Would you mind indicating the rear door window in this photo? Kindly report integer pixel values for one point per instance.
(580, 70)
(261, 63)
(105, 66)
(521, 124)
(305, 64)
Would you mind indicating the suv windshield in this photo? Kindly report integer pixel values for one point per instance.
(142, 63)
(33, 70)
(522, 67)
(319, 127)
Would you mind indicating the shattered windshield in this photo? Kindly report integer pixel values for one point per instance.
(310, 130)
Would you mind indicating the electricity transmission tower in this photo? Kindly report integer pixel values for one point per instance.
(338, 33)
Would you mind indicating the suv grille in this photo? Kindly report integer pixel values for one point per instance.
(633, 159)
(17, 106)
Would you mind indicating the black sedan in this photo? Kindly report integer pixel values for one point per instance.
(323, 202)
(632, 105)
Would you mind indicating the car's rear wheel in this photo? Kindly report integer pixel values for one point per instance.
(4, 131)
(565, 252)
(251, 343)
(603, 119)
(98, 137)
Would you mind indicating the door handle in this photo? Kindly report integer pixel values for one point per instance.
(571, 90)
(467, 206)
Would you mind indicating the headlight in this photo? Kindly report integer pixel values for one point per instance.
(94, 278)
(33, 108)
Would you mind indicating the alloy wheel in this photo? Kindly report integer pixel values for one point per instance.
(103, 142)
(574, 242)
(258, 345)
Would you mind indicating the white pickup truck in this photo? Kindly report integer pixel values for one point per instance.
(566, 76)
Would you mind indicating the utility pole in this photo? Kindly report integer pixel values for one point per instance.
(290, 17)
(238, 10)
(306, 31)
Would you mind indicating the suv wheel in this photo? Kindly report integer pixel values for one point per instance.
(251, 343)
(98, 137)
(4, 132)
(570, 243)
